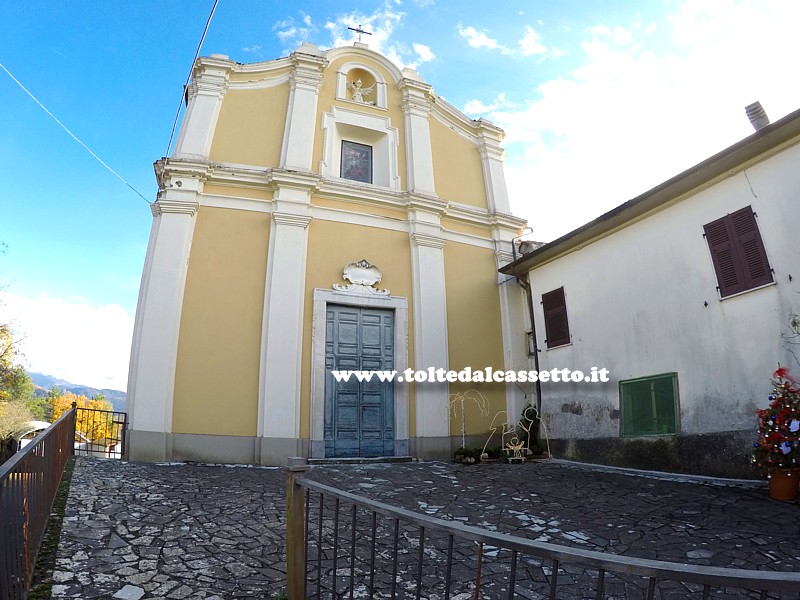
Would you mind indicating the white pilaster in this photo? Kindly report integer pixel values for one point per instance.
(419, 157)
(301, 117)
(490, 137)
(282, 324)
(430, 322)
(151, 380)
(205, 93)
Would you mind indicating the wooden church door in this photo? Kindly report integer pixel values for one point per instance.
(359, 415)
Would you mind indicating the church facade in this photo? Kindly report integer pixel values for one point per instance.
(325, 211)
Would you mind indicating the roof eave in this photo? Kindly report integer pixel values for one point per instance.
(727, 161)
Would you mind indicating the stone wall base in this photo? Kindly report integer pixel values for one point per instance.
(722, 454)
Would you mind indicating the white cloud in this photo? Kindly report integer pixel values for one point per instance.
(530, 44)
(381, 24)
(252, 49)
(291, 34)
(72, 339)
(476, 107)
(479, 39)
(634, 113)
(619, 35)
(424, 52)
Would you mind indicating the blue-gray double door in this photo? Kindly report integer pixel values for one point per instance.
(359, 415)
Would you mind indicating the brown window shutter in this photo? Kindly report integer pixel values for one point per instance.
(754, 256)
(738, 253)
(724, 257)
(556, 324)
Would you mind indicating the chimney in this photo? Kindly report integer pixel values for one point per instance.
(758, 118)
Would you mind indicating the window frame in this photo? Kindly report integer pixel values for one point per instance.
(356, 147)
(625, 400)
(738, 253)
(554, 309)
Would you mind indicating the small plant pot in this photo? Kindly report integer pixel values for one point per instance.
(784, 483)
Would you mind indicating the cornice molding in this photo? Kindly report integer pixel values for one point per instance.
(294, 179)
(507, 221)
(260, 84)
(344, 189)
(244, 175)
(426, 203)
(167, 169)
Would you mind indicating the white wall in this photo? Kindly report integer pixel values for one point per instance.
(636, 305)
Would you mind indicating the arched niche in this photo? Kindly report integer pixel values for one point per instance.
(352, 74)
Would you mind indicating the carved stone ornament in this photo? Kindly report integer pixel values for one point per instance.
(362, 277)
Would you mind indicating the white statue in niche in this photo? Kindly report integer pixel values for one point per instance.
(358, 92)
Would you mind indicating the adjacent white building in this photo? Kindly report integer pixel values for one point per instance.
(683, 293)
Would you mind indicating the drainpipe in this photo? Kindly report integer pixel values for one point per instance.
(529, 296)
(538, 384)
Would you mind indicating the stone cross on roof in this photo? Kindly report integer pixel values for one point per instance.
(359, 31)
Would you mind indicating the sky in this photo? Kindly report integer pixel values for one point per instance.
(600, 100)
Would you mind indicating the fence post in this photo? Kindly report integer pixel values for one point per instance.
(295, 529)
(74, 427)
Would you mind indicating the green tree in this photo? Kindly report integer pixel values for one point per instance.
(16, 384)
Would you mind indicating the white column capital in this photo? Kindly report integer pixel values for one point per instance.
(177, 207)
(301, 116)
(416, 97)
(492, 154)
(204, 97)
(291, 219)
(307, 72)
(490, 149)
(210, 77)
(431, 241)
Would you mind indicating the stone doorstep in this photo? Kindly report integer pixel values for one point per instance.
(360, 461)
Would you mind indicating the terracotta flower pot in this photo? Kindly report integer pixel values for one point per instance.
(783, 484)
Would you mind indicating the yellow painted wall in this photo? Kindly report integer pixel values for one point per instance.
(250, 127)
(457, 166)
(331, 245)
(216, 380)
(327, 99)
(474, 328)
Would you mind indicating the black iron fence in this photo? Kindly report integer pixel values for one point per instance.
(28, 484)
(340, 545)
(100, 433)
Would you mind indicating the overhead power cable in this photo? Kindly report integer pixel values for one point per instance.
(189, 77)
(64, 127)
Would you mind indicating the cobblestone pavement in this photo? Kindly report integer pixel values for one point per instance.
(135, 530)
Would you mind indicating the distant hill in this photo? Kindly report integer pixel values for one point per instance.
(44, 383)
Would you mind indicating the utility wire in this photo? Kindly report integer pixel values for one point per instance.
(64, 127)
(189, 77)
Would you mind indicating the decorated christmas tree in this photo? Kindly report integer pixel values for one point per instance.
(778, 444)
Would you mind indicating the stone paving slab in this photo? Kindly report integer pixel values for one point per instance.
(142, 531)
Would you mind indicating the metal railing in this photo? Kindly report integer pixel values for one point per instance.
(100, 433)
(339, 545)
(28, 484)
